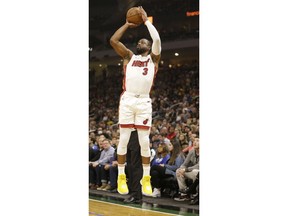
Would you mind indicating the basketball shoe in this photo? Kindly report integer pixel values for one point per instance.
(146, 186)
(122, 187)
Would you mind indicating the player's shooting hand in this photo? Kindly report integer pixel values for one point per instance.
(143, 13)
(131, 25)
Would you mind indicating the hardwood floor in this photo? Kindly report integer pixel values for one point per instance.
(158, 206)
(103, 208)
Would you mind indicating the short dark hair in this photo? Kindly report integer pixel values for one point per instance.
(107, 136)
(107, 140)
(188, 127)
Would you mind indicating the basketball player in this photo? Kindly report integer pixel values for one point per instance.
(135, 108)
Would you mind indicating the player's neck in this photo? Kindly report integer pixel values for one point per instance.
(144, 54)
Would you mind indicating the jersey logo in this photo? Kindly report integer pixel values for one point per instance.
(138, 63)
(145, 121)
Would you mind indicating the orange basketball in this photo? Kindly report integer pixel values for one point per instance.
(134, 16)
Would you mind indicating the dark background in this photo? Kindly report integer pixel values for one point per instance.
(178, 32)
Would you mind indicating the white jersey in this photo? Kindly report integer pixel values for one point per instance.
(139, 75)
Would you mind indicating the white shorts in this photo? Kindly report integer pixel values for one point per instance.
(135, 111)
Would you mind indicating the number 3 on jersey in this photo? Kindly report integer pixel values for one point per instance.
(145, 71)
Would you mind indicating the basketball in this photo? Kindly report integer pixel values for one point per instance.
(134, 16)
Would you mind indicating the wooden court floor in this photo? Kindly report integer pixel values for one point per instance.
(106, 208)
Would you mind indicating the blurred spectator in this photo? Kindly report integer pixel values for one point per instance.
(101, 177)
(188, 170)
(162, 171)
(171, 134)
(162, 155)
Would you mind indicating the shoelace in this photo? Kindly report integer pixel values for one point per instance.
(146, 179)
(122, 178)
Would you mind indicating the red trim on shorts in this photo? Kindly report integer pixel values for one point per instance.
(142, 127)
(120, 97)
(126, 125)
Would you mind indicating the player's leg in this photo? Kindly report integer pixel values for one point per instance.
(143, 121)
(145, 156)
(126, 122)
(134, 168)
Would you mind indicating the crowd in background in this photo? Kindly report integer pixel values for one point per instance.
(175, 100)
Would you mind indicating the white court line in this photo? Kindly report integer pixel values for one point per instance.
(133, 207)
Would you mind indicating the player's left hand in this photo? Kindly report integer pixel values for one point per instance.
(143, 13)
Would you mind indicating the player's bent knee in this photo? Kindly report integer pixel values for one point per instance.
(123, 141)
(145, 152)
(122, 149)
(144, 142)
(143, 136)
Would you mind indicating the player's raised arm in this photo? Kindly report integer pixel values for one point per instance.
(156, 45)
(119, 47)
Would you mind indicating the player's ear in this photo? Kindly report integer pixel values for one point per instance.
(149, 45)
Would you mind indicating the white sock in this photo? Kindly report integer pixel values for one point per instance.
(121, 169)
(146, 170)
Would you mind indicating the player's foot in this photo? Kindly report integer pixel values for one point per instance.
(146, 186)
(122, 187)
